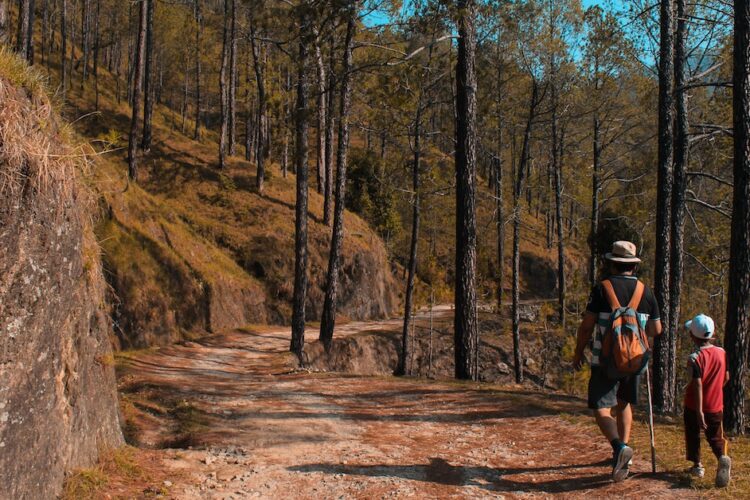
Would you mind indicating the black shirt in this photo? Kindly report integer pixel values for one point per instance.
(624, 287)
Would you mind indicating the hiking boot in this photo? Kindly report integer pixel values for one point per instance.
(723, 473)
(697, 471)
(622, 457)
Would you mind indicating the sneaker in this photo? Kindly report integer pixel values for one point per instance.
(697, 471)
(622, 457)
(723, 473)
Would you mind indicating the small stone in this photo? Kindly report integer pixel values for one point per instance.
(168, 484)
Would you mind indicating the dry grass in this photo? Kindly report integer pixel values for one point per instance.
(86, 483)
(670, 453)
(36, 155)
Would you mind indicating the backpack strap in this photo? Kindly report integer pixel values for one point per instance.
(635, 301)
(609, 292)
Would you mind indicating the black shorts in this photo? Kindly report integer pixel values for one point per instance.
(605, 392)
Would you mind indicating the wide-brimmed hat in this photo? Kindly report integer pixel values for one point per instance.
(701, 327)
(623, 251)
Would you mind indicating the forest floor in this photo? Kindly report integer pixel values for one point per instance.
(230, 417)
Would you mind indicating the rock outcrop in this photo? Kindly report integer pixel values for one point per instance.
(58, 400)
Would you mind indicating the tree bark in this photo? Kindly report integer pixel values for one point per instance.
(25, 37)
(681, 158)
(561, 288)
(403, 361)
(517, 194)
(63, 48)
(302, 118)
(223, 86)
(465, 320)
(738, 303)
(148, 79)
(85, 38)
(137, 90)
(664, 353)
(328, 147)
(198, 36)
(97, 44)
(328, 320)
(232, 139)
(322, 176)
(498, 175)
(595, 190)
(261, 146)
(4, 23)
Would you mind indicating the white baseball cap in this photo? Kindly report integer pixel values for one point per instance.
(701, 327)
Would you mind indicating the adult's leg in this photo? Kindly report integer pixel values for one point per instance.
(624, 420)
(607, 424)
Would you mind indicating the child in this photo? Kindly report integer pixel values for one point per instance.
(704, 399)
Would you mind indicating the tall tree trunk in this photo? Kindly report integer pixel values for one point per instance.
(97, 44)
(558, 161)
(738, 303)
(261, 146)
(148, 79)
(249, 113)
(85, 38)
(681, 158)
(25, 37)
(4, 23)
(498, 166)
(302, 119)
(517, 194)
(595, 191)
(198, 36)
(233, 81)
(223, 86)
(664, 352)
(403, 360)
(328, 147)
(328, 320)
(63, 48)
(320, 159)
(465, 320)
(137, 90)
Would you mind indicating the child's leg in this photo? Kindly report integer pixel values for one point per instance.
(692, 436)
(715, 434)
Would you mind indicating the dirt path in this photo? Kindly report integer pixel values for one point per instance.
(259, 429)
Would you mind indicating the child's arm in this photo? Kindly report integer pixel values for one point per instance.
(698, 388)
(726, 377)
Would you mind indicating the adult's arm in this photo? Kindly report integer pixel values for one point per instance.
(583, 337)
(653, 328)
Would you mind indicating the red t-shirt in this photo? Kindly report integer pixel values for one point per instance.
(708, 363)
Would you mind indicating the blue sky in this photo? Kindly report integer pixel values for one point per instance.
(378, 18)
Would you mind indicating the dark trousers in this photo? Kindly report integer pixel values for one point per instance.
(714, 434)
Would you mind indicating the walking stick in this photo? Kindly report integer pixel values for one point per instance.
(651, 422)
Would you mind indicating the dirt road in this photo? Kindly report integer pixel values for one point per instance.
(246, 426)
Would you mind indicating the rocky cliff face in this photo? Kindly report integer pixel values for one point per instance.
(58, 402)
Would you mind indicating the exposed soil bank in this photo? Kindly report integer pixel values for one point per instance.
(58, 403)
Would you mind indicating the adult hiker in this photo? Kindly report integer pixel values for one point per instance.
(615, 370)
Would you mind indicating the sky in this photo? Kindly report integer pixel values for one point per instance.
(377, 18)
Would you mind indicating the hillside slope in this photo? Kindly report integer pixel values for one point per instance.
(194, 249)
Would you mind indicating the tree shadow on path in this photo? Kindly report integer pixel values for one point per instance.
(439, 471)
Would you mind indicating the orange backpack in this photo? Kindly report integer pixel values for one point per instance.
(625, 349)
